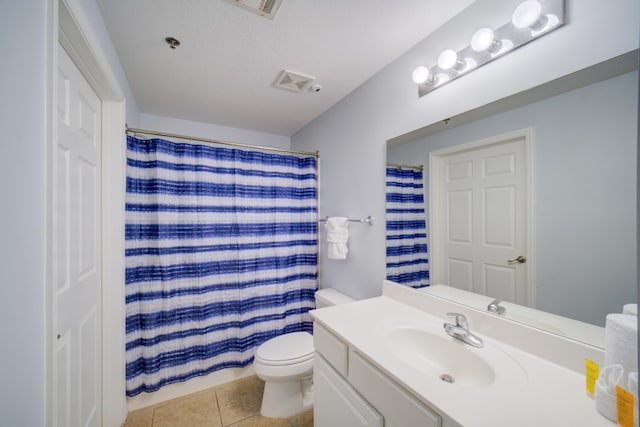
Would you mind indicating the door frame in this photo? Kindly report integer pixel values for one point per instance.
(436, 233)
(70, 24)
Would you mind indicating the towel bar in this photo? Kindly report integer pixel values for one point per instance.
(367, 220)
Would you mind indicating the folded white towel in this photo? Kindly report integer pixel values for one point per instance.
(337, 237)
(632, 384)
(630, 309)
(605, 391)
(621, 342)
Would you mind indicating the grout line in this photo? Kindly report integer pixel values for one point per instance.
(215, 394)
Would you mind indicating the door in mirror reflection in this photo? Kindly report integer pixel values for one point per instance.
(481, 214)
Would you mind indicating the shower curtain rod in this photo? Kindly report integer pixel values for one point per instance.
(215, 141)
(398, 165)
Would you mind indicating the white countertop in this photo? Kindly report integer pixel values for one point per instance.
(546, 395)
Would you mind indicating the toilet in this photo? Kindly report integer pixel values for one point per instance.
(285, 364)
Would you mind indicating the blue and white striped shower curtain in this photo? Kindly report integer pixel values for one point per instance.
(221, 255)
(407, 255)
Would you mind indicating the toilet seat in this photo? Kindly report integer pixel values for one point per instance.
(287, 349)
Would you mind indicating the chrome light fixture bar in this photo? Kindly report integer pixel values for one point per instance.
(530, 19)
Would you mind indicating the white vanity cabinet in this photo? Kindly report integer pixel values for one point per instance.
(387, 354)
(350, 391)
(336, 403)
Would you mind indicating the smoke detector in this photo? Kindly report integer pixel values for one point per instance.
(265, 8)
(292, 81)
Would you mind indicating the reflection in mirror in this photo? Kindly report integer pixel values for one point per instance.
(407, 261)
(584, 130)
(560, 325)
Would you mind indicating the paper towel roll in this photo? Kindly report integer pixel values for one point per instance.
(630, 309)
(604, 396)
(621, 342)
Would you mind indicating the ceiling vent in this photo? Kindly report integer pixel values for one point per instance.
(294, 82)
(266, 8)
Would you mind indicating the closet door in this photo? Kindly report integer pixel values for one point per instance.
(76, 254)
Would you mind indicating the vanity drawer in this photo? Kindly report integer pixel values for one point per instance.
(331, 347)
(398, 407)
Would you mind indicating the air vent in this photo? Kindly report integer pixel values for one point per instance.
(293, 81)
(266, 8)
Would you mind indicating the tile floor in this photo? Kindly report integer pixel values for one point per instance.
(234, 404)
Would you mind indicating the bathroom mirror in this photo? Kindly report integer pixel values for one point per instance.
(584, 131)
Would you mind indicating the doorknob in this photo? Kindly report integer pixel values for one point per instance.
(521, 260)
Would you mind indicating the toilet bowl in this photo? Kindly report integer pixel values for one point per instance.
(285, 364)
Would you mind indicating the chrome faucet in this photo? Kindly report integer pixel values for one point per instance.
(495, 307)
(460, 330)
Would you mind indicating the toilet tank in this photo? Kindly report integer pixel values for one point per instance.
(329, 296)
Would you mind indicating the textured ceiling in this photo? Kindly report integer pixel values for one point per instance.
(223, 71)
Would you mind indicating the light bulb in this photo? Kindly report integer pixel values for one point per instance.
(485, 39)
(449, 59)
(420, 75)
(528, 14)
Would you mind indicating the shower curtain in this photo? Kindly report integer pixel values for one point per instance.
(221, 255)
(407, 255)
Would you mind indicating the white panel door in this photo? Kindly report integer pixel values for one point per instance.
(76, 251)
(483, 205)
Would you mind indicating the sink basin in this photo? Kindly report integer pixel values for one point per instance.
(452, 361)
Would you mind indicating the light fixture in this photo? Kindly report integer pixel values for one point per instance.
(530, 19)
(421, 75)
(528, 14)
(449, 59)
(485, 40)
